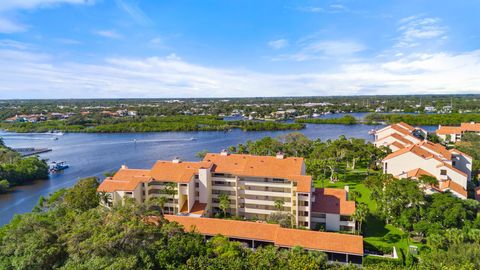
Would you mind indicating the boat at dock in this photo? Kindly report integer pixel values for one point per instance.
(58, 166)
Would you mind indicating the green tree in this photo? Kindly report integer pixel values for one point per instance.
(279, 204)
(84, 195)
(224, 203)
(4, 185)
(360, 215)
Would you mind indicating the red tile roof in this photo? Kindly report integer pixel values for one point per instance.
(322, 241)
(181, 172)
(332, 201)
(124, 180)
(443, 130)
(416, 173)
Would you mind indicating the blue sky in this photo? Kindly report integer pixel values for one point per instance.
(128, 48)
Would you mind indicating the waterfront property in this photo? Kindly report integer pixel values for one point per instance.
(338, 247)
(454, 134)
(256, 187)
(398, 136)
(413, 157)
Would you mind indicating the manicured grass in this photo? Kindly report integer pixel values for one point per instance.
(377, 233)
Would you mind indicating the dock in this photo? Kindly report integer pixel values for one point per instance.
(30, 151)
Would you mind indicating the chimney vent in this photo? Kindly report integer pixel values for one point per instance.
(224, 152)
(176, 160)
(280, 155)
(347, 189)
(124, 166)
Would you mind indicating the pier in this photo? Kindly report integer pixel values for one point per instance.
(30, 151)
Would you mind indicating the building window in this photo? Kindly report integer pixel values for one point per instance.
(453, 163)
(386, 166)
(197, 185)
(443, 172)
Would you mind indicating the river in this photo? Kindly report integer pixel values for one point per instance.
(94, 154)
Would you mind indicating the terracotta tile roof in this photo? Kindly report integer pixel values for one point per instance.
(401, 129)
(181, 172)
(415, 149)
(124, 180)
(399, 152)
(473, 127)
(332, 201)
(258, 166)
(323, 241)
(406, 126)
(401, 138)
(438, 148)
(464, 127)
(449, 184)
(197, 208)
(443, 130)
(416, 173)
(398, 145)
(304, 182)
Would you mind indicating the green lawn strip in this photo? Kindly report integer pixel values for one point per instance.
(377, 233)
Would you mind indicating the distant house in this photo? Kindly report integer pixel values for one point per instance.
(454, 133)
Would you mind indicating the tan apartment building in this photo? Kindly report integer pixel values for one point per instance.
(454, 134)
(256, 186)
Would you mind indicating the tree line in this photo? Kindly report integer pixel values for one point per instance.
(15, 170)
(99, 124)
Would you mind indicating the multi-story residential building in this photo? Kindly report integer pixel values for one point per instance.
(451, 168)
(398, 136)
(256, 186)
(454, 133)
(412, 156)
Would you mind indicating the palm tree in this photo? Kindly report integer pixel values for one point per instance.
(224, 203)
(279, 204)
(170, 190)
(159, 202)
(105, 198)
(360, 214)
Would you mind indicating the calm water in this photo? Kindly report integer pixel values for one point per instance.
(94, 154)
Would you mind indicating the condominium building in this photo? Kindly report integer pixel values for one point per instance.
(256, 187)
(454, 133)
(398, 136)
(413, 158)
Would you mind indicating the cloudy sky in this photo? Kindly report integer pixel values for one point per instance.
(237, 48)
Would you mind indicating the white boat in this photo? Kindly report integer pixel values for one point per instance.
(372, 132)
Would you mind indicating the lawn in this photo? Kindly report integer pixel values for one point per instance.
(377, 233)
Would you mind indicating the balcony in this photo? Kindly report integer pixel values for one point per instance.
(264, 202)
(267, 193)
(266, 184)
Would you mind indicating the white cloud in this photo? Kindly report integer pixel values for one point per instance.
(6, 5)
(416, 29)
(8, 26)
(311, 49)
(29, 74)
(135, 12)
(108, 34)
(278, 44)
